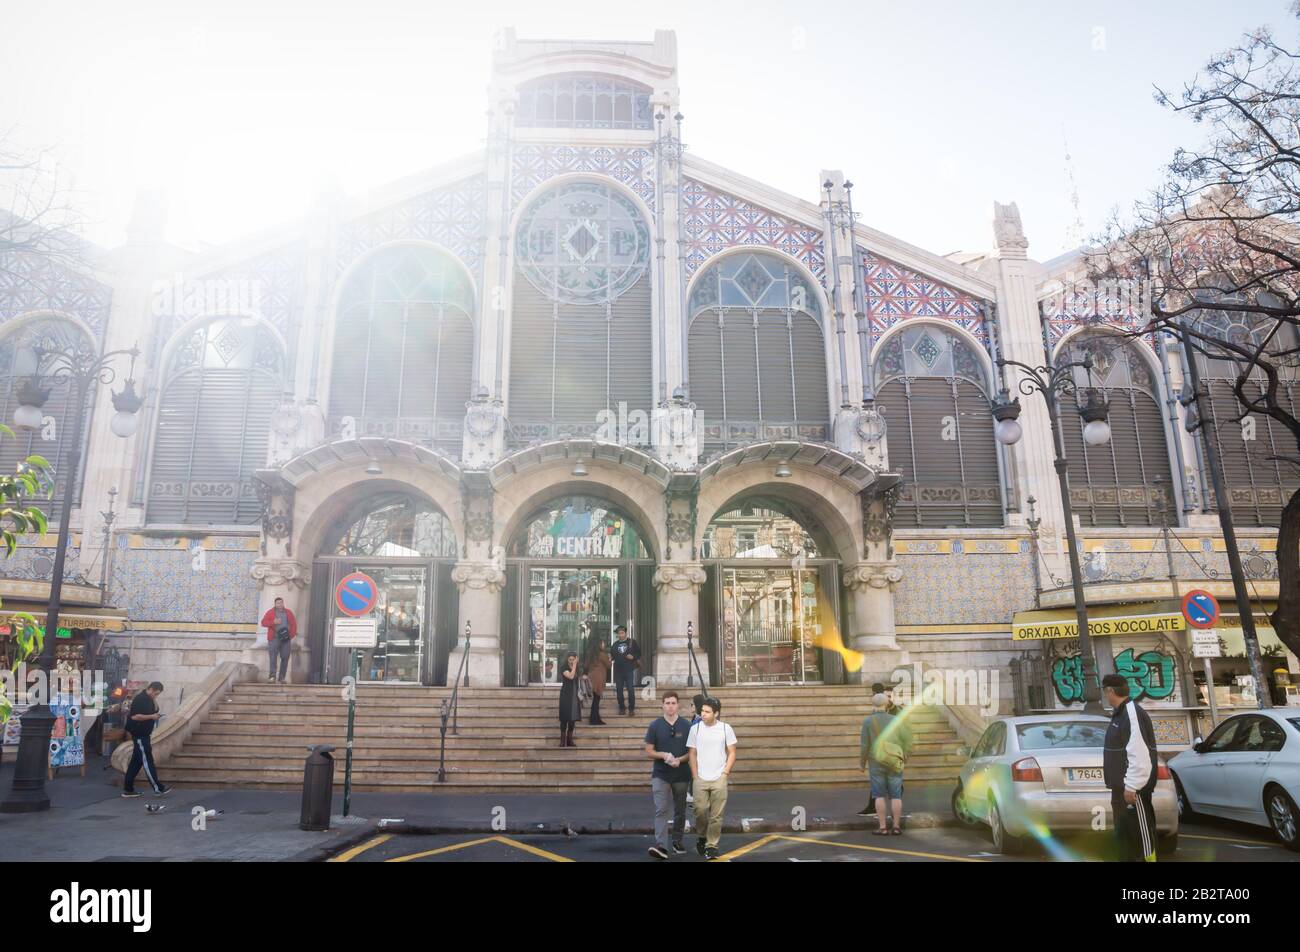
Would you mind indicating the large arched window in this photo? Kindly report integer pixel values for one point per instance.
(404, 348)
(756, 351)
(933, 390)
(21, 367)
(393, 525)
(583, 335)
(1126, 481)
(1259, 484)
(583, 101)
(219, 390)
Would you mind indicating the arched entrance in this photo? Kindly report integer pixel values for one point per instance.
(408, 546)
(577, 567)
(771, 594)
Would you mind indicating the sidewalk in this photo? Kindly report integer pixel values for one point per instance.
(90, 822)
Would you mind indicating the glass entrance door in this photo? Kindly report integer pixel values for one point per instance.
(772, 619)
(404, 627)
(568, 609)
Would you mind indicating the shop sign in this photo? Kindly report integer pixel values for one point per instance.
(1127, 625)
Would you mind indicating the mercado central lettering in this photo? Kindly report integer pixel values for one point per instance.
(586, 377)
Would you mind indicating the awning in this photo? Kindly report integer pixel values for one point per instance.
(1147, 618)
(98, 619)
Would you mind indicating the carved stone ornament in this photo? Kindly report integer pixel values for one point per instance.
(478, 577)
(872, 575)
(680, 577)
(878, 517)
(279, 572)
(1008, 232)
(276, 498)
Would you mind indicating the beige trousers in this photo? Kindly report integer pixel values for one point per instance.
(710, 802)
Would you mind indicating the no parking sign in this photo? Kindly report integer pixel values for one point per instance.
(356, 594)
(1201, 609)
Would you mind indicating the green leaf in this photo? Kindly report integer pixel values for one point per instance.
(7, 432)
(40, 461)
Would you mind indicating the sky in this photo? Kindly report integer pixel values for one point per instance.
(241, 112)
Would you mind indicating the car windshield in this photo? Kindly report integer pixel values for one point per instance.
(1049, 735)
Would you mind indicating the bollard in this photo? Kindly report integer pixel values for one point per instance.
(317, 789)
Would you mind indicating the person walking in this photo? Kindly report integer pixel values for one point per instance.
(140, 723)
(712, 746)
(598, 662)
(281, 628)
(665, 744)
(627, 659)
(883, 744)
(570, 705)
(1129, 769)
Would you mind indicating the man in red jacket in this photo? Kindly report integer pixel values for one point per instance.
(281, 628)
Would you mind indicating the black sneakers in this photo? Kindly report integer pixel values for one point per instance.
(711, 853)
(163, 792)
(700, 847)
(130, 793)
(678, 849)
(657, 853)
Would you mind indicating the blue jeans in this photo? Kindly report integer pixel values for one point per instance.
(885, 784)
(626, 677)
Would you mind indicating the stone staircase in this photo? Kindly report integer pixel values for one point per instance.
(789, 736)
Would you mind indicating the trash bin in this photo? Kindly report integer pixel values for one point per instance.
(317, 788)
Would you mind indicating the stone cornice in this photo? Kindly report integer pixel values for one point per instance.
(278, 572)
(478, 576)
(680, 577)
(866, 575)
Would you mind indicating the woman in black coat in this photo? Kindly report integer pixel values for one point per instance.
(570, 705)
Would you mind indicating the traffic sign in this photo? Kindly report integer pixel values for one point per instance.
(1200, 608)
(356, 594)
(1207, 650)
(355, 632)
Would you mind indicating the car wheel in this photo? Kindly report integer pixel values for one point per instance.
(1282, 816)
(1003, 842)
(1167, 845)
(965, 816)
(1185, 811)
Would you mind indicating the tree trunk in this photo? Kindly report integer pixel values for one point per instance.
(1286, 620)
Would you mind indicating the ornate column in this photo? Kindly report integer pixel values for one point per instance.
(871, 584)
(480, 578)
(678, 585)
(279, 574)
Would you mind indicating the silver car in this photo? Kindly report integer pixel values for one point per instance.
(1248, 769)
(1030, 778)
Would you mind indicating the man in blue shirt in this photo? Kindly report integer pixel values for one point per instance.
(665, 744)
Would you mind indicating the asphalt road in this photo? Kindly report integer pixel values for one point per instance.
(1198, 843)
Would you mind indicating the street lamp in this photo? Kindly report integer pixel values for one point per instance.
(79, 367)
(1051, 382)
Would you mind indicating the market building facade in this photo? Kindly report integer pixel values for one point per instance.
(584, 378)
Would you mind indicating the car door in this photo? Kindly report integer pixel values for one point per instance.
(1246, 764)
(1201, 775)
(994, 765)
(973, 770)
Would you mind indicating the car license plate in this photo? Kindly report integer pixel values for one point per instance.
(1084, 775)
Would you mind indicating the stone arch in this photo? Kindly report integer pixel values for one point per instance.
(976, 346)
(835, 505)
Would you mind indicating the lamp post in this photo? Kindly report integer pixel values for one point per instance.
(78, 367)
(1051, 382)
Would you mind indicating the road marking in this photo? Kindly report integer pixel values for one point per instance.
(751, 847)
(1222, 839)
(504, 840)
(771, 837)
(358, 850)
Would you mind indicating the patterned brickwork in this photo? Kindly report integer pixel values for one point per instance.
(34, 283)
(713, 221)
(535, 164)
(162, 585)
(893, 293)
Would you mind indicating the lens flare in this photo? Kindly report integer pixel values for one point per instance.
(830, 639)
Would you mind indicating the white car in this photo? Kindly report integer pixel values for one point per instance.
(1036, 776)
(1248, 769)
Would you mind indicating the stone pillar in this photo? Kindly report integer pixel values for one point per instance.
(278, 576)
(480, 584)
(871, 584)
(678, 585)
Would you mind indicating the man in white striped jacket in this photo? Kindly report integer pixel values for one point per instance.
(1129, 767)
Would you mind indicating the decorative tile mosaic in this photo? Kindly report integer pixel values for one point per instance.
(37, 564)
(534, 164)
(453, 216)
(713, 221)
(894, 293)
(163, 586)
(974, 589)
(33, 283)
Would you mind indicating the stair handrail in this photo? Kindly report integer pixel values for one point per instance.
(694, 661)
(450, 708)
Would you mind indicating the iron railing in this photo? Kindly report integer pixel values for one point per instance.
(450, 708)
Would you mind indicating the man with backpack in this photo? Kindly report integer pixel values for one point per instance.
(281, 628)
(883, 745)
(712, 746)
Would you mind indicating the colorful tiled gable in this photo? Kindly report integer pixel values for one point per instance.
(31, 282)
(452, 216)
(893, 293)
(535, 164)
(713, 221)
(1086, 304)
